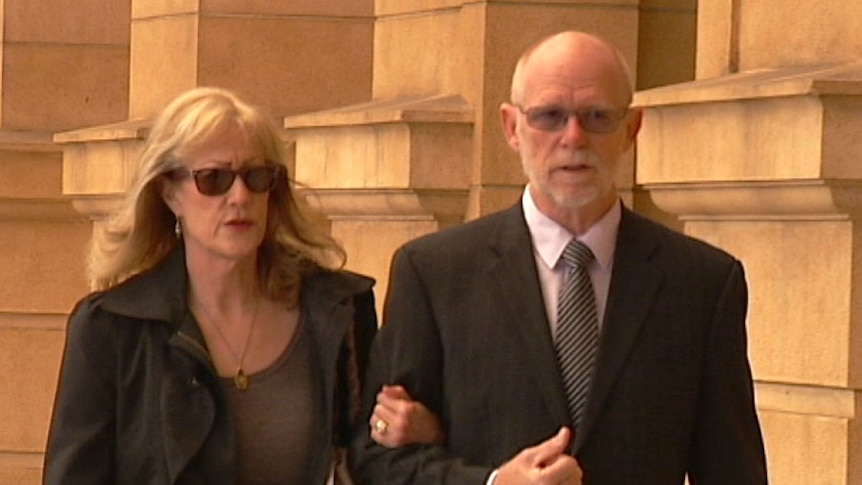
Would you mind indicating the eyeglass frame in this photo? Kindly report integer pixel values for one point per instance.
(184, 173)
(578, 114)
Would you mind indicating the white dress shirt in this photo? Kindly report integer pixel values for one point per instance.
(549, 241)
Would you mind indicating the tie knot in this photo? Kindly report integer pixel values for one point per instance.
(577, 254)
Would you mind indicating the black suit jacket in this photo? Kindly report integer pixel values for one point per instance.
(466, 333)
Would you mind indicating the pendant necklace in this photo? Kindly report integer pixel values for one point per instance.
(240, 379)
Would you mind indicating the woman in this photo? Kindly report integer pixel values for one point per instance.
(223, 344)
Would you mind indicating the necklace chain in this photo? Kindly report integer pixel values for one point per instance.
(240, 379)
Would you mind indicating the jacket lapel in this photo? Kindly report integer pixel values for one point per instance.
(516, 278)
(188, 407)
(634, 282)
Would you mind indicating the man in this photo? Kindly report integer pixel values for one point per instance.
(478, 318)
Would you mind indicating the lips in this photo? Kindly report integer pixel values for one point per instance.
(574, 168)
(239, 222)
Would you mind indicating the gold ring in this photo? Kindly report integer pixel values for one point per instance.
(381, 426)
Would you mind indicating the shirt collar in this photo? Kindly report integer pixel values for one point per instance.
(550, 238)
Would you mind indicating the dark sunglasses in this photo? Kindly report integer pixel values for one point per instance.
(217, 181)
(555, 118)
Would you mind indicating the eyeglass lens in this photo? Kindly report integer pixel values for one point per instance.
(217, 181)
(554, 118)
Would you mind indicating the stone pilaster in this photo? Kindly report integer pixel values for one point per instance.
(64, 64)
(287, 55)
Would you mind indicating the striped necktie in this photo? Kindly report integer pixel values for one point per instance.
(577, 328)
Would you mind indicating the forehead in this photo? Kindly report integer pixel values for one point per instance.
(231, 144)
(575, 73)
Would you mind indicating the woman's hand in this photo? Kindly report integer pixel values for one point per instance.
(398, 420)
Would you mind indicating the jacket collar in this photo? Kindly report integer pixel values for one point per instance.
(516, 275)
(634, 283)
(160, 293)
(156, 294)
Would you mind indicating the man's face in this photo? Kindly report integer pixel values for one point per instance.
(571, 160)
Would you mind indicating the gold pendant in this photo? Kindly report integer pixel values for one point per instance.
(240, 380)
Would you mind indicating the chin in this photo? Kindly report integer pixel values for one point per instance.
(579, 200)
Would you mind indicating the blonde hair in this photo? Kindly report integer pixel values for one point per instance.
(141, 233)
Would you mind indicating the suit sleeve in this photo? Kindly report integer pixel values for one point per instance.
(81, 440)
(728, 446)
(408, 351)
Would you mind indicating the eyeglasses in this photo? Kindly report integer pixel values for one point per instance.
(217, 181)
(555, 118)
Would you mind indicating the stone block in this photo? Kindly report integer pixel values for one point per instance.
(666, 46)
(826, 34)
(164, 58)
(800, 275)
(60, 87)
(669, 5)
(30, 359)
(73, 22)
(819, 109)
(30, 174)
(717, 51)
(100, 161)
(43, 264)
(753, 146)
(353, 157)
(334, 8)
(288, 64)
(806, 449)
(326, 8)
(399, 7)
(417, 55)
(396, 7)
(146, 9)
(385, 156)
(842, 123)
(420, 143)
(14, 475)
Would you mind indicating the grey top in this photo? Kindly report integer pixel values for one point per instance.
(275, 418)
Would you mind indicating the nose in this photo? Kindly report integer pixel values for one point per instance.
(573, 134)
(238, 191)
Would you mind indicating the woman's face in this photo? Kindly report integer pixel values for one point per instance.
(228, 226)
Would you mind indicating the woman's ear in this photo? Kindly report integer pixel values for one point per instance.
(168, 191)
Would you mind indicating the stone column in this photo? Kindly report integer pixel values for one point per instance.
(64, 64)
(290, 56)
(759, 155)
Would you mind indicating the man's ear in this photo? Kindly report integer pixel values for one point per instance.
(509, 117)
(633, 125)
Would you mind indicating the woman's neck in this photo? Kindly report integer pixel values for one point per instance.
(225, 288)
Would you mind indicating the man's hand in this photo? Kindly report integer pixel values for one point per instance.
(398, 420)
(546, 463)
